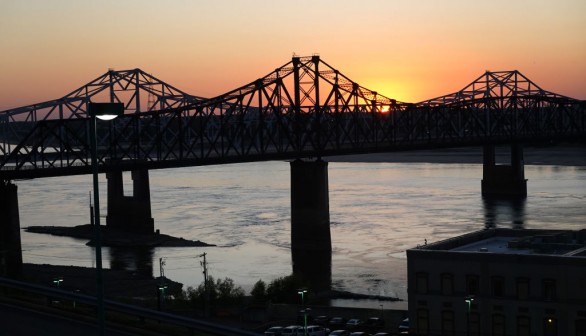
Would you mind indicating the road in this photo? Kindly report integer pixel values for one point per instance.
(27, 322)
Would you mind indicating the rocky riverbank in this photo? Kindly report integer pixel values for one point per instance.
(117, 238)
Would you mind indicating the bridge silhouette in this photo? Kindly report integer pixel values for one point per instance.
(305, 108)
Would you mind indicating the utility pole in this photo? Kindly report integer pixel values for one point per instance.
(205, 284)
(161, 288)
(162, 271)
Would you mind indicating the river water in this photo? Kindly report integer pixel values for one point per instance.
(377, 210)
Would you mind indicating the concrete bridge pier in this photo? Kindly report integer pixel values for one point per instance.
(130, 213)
(311, 242)
(507, 181)
(10, 246)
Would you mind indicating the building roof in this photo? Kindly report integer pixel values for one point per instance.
(514, 241)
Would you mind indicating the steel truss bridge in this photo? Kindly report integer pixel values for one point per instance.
(305, 108)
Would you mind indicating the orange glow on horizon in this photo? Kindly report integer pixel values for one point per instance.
(409, 51)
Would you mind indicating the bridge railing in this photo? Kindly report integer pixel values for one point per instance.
(181, 137)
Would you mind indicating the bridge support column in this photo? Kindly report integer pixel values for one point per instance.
(504, 180)
(10, 247)
(130, 213)
(311, 243)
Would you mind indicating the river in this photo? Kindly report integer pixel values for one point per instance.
(378, 210)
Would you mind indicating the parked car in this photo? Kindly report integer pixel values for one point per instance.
(404, 326)
(315, 330)
(292, 330)
(321, 320)
(273, 331)
(373, 324)
(337, 322)
(353, 324)
(340, 332)
(359, 333)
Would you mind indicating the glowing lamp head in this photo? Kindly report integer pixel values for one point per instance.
(107, 117)
(106, 111)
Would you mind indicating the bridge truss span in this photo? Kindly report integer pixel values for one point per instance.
(303, 108)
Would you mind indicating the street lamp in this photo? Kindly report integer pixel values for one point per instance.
(58, 281)
(302, 293)
(468, 299)
(103, 111)
(161, 296)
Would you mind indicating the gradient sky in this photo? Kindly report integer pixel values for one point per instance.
(409, 50)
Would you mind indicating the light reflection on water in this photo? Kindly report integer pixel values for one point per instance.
(377, 211)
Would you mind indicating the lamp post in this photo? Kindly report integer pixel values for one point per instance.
(468, 299)
(103, 111)
(302, 293)
(305, 311)
(161, 296)
(58, 281)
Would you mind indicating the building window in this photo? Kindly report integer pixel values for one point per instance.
(550, 326)
(549, 290)
(447, 281)
(497, 285)
(472, 284)
(498, 325)
(421, 284)
(448, 327)
(522, 288)
(474, 324)
(422, 324)
(580, 327)
(523, 326)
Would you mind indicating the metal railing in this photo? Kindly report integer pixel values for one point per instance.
(139, 313)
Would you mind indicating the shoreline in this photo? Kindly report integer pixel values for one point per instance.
(117, 283)
(117, 238)
(550, 155)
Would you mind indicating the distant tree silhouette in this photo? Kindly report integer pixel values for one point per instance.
(284, 289)
(219, 291)
(259, 291)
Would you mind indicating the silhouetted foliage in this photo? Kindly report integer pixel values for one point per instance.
(259, 291)
(284, 289)
(219, 291)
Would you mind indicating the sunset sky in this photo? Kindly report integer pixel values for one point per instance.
(408, 50)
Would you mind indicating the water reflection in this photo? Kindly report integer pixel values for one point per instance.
(497, 210)
(377, 211)
(137, 259)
